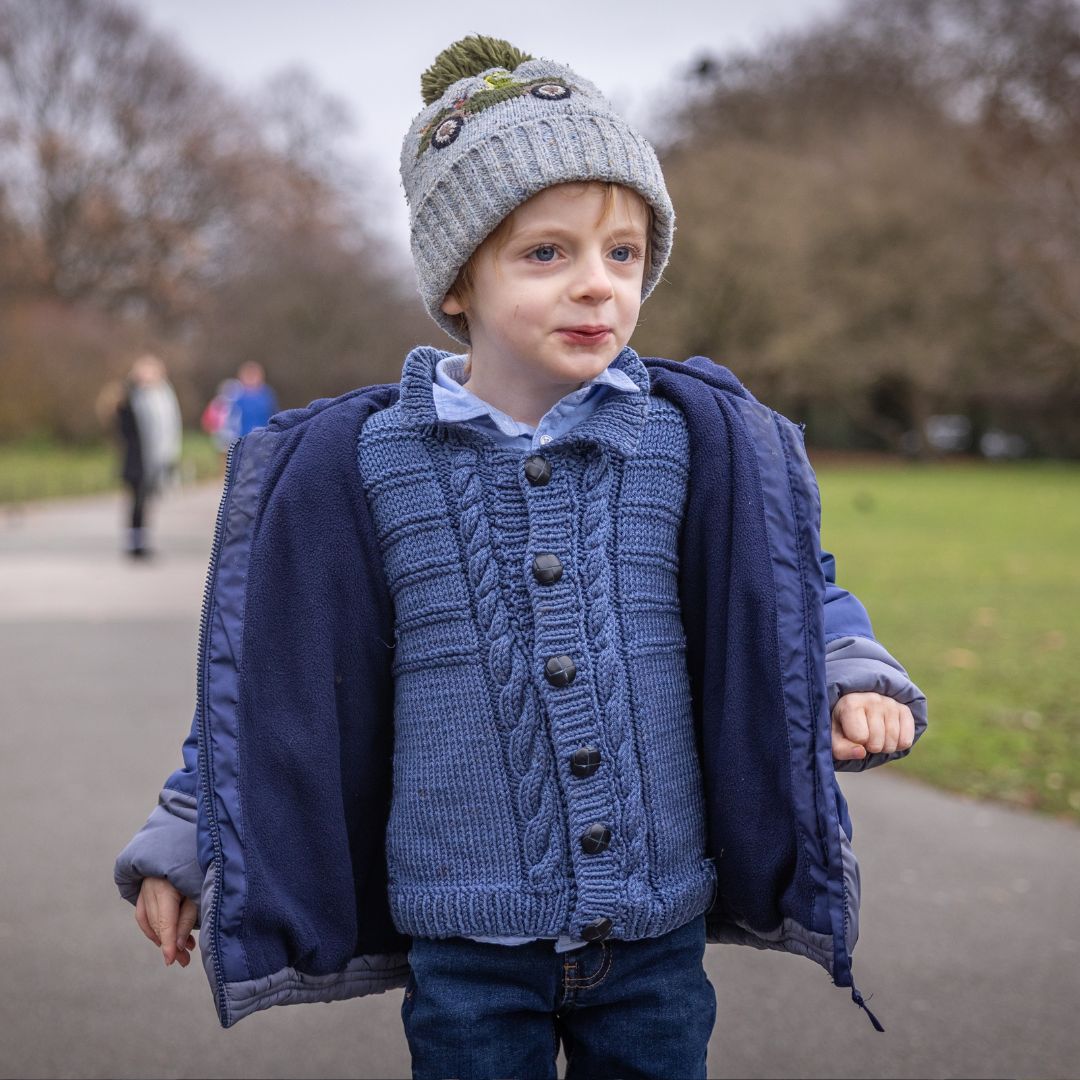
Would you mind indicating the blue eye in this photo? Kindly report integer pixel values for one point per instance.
(544, 253)
(623, 253)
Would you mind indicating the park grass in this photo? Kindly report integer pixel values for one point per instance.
(43, 469)
(971, 574)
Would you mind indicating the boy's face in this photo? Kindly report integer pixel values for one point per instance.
(553, 303)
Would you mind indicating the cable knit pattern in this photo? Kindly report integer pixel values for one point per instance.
(530, 755)
(487, 820)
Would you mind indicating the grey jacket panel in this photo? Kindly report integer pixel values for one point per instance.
(856, 665)
(790, 936)
(853, 888)
(364, 975)
(163, 847)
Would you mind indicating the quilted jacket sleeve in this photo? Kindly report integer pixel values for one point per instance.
(166, 845)
(856, 663)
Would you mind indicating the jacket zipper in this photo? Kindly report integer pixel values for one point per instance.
(205, 771)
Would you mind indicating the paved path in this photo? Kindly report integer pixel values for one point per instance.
(971, 944)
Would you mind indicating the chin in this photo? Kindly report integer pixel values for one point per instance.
(588, 366)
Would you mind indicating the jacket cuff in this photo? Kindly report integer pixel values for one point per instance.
(857, 665)
(164, 847)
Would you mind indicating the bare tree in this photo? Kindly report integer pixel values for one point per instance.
(303, 286)
(878, 218)
(118, 159)
(141, 203)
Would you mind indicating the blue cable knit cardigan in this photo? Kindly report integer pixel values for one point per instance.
(298, 623)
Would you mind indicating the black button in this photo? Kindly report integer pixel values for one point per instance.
(560, 671)
(597, 930)
(546, 568)
(585, 761)
(595, 839)
(537, 470)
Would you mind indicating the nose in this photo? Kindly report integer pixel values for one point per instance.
(592, 282)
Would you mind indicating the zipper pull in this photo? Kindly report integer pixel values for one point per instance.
(860, 1001)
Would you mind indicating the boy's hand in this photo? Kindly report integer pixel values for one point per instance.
(167, 918)
(870, 724)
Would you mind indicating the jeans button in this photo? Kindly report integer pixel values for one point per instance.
(597, 930)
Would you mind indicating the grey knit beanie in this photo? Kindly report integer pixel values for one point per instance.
(498, 127)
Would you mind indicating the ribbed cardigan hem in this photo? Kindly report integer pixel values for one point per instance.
(477, 912)
(468, 911)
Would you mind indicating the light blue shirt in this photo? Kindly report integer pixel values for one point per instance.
(455, 404)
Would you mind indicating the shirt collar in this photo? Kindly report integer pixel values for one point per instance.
(454, 402)
(616, 424)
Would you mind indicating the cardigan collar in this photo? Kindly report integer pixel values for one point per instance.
(616, 424)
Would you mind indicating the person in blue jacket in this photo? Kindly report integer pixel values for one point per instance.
(252, 402)
(525, 677)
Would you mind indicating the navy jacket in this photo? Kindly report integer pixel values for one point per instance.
(287, 770)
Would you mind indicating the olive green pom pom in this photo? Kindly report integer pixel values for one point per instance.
(466, 57)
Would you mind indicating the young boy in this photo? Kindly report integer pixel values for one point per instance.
(515, 679)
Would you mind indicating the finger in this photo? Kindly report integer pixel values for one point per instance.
(185, 923)
(846, 750)
(892, 727)
(185, 940)
(907, 728)
(875, 721)
(143, 921)
(156, 920)
(853, 721)
(149, 895)
(843, 748)
(164, 908)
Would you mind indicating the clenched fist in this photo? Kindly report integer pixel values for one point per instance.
(865, 724)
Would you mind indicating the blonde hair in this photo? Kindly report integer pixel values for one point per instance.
(499, 237)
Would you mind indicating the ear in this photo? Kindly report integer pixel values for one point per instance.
(451, 305)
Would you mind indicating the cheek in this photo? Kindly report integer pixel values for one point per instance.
(525, 306)
(629, 301)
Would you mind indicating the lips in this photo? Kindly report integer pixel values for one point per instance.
(585, 335)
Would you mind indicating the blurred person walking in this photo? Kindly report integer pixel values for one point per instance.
(148, 423)
(255, 402)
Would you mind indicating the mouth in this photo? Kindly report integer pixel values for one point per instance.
(585, 335)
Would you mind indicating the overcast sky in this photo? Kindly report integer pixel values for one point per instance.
(370, 53)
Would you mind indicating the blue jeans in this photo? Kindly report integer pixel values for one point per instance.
(621, 1008)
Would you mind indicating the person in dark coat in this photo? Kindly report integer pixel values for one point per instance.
(148, 423)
